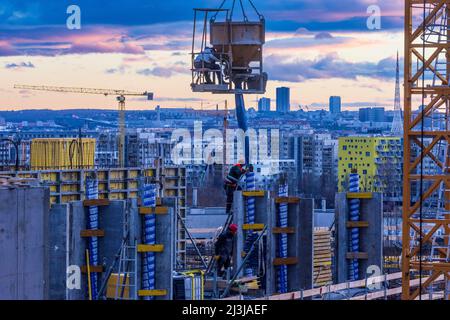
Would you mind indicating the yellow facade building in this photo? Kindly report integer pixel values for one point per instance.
(55, 154)
(377, 160)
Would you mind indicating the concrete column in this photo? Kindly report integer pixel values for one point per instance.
(23, 243)
(165, 235)
(239, 219)
(300, 245)
(371, 237)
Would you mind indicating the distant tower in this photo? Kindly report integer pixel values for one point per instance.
(158, 113)
(397, 123)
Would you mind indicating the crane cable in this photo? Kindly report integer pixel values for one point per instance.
(232, 10)
(261, 17)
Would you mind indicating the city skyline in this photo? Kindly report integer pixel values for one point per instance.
(144, 50)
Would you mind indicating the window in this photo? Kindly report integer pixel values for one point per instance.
(350, 165)
(344, 147)
(368, 154)
(364, 171)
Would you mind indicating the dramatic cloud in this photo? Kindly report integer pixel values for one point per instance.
(325, 67)
(52, 41)
(20, 65)
(164, 72)
(305, 39)
(280, 15)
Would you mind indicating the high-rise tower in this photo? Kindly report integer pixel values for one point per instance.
(397, 123)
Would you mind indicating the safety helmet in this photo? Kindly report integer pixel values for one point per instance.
(233, 228)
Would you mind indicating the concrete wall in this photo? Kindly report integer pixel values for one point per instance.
(23, 243)
(68, 248)
(300, 245)
(262, 216)
(371, 238)
(58, 219)
(164, 261)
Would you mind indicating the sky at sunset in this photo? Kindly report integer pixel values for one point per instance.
(317, 48)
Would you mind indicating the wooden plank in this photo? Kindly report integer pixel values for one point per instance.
(333, 288)
(156, 210)
(279, 230)
(359, 195)
(357, 224)
(357, 255)
(285, 261)
(257, 193)
(96, 202)
(92, 233)
(152, 293)
(150, 248)
(287, 200)
(255, 226)
(93, 269)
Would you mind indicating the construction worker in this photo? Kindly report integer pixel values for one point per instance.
(231, 182)
(207, 60)
(223, 249)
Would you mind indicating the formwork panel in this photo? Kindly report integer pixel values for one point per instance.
(50, 153)
(23, 243)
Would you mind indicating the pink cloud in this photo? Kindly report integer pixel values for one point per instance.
(54, 41)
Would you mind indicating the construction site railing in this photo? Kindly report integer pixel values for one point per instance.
(300, 295)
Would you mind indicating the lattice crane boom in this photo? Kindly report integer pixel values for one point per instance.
(426, 187)
(120, 94)
(105, 92)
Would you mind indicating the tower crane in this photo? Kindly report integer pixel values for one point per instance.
(120, 96)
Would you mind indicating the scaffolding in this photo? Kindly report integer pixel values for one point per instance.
(426, 189)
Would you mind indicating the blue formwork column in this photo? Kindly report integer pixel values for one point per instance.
(353, 265)
(92, 224)
(149, 200)
(252, 262)
(282, 241)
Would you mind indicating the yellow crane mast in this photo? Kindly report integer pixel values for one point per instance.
(120, 94)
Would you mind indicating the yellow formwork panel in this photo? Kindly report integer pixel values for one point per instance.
(117, 196)
(133, 174)
(133, 185)
(117, 175)
(148, 173)
(102, 186)
(69, 188)
(49, 176)
(69, 198)
(70, 176)
(102, 175)
(50, 154)
(117, 186)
